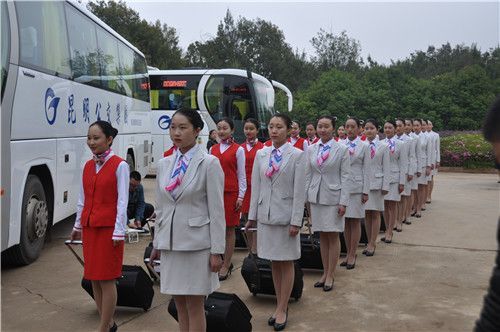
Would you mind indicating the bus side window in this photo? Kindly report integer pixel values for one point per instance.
(43, 39)
(5, 43)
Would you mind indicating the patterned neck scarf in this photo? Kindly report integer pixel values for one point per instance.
(252, 142)
(352, 146)
(392, 145)
(176, 178)
(372, 149)
(101, 158)
(324, 153)
(228, 141)
(274, 162)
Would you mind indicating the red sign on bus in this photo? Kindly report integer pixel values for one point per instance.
(174, 84)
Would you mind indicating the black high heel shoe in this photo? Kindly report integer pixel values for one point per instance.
(271, 321)
(224, 277)
(351, 266)
(113, 328)
(281, 326)
(319, 284)
(327, 288)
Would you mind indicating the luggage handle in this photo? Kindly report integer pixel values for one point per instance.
(69, 244)
(150, 267)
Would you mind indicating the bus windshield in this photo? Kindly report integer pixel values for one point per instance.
(174, 91)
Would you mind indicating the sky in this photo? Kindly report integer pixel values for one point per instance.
(386, 30)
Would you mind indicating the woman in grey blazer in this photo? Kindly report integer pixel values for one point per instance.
(424, 164)
(190, 223)
(414, 168)
(379, 173)
(358, 188)
(327, 173)
(277, 207)
(409, 169)
(399, 170)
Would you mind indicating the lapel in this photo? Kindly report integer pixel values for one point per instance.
(314, 157)
(191, 171)
(286, 157)
(329, 160)
(169, 166)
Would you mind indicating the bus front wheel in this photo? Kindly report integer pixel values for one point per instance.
(34, 224)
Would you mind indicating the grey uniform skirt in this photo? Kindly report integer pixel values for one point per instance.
(375, 201)
(325, 218)
(275, 243)
(187, 273)
(355, 209)
(393, 194)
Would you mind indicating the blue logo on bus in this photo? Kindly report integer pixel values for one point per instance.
(51, 108)
(164, 122)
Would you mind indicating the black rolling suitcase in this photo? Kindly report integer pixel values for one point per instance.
(153, 269)
(310, 255)
(224, 312)
(257, 275)
(239, 236)
(134, 287)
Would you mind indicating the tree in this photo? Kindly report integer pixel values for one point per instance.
(336, 51)
(158, 42)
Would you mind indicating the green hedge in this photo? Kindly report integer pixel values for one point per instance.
(466, 150)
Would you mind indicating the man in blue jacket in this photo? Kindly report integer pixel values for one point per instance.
(137, 208)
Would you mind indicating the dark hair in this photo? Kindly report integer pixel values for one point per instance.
(422, 121)
(229, 121)
(135, 175)
(491, 128)
(286, 119)
(106, 128)
(373, 122)
(211, 131)
(399, 119)
(418, 120)
(296, 122)
(409, 120)
(358, 123)
(328, 117)
(392, 122)
(312, 124)
(193, 117)
(254, 121)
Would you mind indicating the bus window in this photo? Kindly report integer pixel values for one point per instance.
(108, 60)
(140, 80)
(265, 103)
(43, 39)
(240, 105)
(5, 44)
(214, 97)
(174, 91)
(83, 46)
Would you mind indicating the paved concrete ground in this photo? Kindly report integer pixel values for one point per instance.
(432, 277)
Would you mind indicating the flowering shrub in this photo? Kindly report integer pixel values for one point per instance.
(466, 150)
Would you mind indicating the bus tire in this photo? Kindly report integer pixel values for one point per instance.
(34, 224)
(130, 161)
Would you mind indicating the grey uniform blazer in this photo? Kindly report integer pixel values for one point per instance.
(278, 200)
(195, 220)
(425, 150)
(327, 184)
(418, 152)
(398, 161)
(412, 155)
(358, 182)
(379, 171)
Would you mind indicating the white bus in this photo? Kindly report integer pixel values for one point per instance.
(62, 69)
(215, 93)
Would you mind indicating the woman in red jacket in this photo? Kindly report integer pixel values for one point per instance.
(101, 219)
(251, 146)
(232, 159)
(295, 139)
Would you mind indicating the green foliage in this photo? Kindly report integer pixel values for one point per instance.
(158, 42)
(466, 150)
(451, 86)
